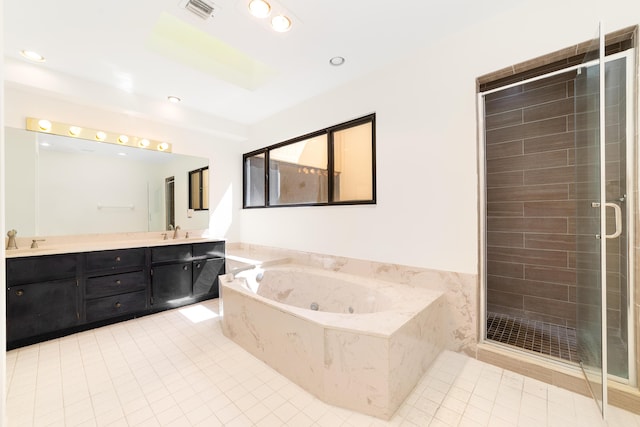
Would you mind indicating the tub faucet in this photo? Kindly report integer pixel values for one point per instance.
(11, 244)
(175, 232)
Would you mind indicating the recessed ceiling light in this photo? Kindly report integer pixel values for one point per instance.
(281, 23)
(259, 8)
(337, 61)
(33, 56)
(174, 99)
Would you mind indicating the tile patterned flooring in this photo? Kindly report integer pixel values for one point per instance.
(169, 369)
(545, 338)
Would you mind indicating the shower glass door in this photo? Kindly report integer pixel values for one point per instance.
(590, 224)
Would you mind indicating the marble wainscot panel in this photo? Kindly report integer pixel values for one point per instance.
(352, 341)
(461, 290)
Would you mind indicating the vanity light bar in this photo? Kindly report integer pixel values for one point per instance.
(63, 129)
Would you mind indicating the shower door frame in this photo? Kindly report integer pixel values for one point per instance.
(632, 117)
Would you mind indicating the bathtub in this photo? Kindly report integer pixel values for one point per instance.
(354, 342)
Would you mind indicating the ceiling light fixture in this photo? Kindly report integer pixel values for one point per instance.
(281, 23)
(336, 61)
(32, 56)
(174, 99)
(65, 129)
(259, 8)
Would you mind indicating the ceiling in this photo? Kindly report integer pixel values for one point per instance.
(131, 55)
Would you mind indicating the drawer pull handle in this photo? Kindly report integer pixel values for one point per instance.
(118, 282)
(19, 292)
(117, 259)
(184, 267)
(118, 305)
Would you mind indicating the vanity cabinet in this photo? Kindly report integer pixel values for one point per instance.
(209, 263)
(185, 273)
(49, 296)
(115, 283)
(42, 296)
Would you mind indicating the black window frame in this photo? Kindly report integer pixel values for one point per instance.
(329, 131)
(200, 173)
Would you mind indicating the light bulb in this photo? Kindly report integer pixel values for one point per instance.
(281, 23)
(44, 125)
(259, 8)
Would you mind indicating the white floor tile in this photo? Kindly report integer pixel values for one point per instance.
(162, 370)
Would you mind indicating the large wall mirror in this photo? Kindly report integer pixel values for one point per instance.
(58, 185)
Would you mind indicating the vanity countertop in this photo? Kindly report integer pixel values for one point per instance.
(89, 243)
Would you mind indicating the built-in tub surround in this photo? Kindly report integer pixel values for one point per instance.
(363, 345)
(51, 245)
(460, 289)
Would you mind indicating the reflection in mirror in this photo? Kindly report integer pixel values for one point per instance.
(63, 186)
(199, 189)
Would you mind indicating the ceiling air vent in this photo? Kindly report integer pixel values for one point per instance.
(203, 9)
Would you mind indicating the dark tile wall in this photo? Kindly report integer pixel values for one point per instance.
(535, 176)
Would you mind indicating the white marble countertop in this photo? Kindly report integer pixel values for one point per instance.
(98, 242)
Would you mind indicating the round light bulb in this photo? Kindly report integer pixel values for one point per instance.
(44, 125)
(74, 130)
(101, 136)
(281, 23)
(123, 139)
(259, 8)
(144, 143)
(163, 146)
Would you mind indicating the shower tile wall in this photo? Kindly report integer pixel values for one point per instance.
(531, 201)
(530, 228)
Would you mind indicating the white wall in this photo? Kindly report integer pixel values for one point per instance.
(223, 155)
(427, 213)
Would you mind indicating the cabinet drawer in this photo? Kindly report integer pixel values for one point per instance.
(209, 250)
(117, 305)
(171, 253)
(41, 268)
(116, 259)
(115, 284)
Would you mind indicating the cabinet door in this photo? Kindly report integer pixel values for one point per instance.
(171, 284)
(39, 308)
(205, 276)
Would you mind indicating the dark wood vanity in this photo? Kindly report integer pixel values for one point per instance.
(49, 296)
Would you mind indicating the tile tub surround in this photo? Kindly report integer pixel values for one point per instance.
(460, 289)
(368, 361)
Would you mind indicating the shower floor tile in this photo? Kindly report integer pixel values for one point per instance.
(540, 337)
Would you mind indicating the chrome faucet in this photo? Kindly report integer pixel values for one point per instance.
(175, 232)
(11, 244)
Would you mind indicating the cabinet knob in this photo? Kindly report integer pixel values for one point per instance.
(118, 305)
(117, 259)
(184, 267)
(19, 292)
(118, 282)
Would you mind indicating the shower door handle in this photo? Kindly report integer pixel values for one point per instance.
(618, 217)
